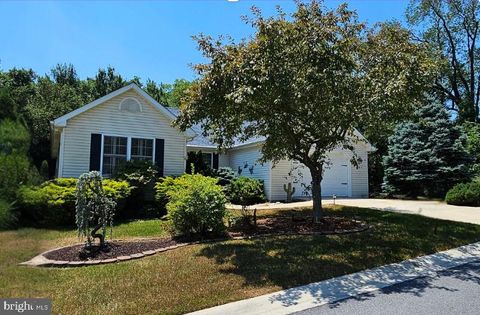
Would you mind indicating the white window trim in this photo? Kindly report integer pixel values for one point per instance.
(61, 153)
(129, 147)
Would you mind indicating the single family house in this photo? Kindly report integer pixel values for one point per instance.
(129, 124)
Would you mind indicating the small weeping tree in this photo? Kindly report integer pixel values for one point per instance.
(94, 210)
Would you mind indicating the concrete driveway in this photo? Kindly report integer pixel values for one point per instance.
(433, 209)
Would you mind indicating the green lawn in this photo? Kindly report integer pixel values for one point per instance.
(199, 276)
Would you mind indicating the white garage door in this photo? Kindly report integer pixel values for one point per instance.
(335, 177)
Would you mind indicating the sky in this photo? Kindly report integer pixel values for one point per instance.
(149, 39)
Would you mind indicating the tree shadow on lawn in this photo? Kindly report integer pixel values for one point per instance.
(290, 261)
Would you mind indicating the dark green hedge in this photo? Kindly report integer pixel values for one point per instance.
(464, 195)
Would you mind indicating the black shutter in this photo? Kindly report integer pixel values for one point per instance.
(215, 161)
(159, 153)
(95, 151)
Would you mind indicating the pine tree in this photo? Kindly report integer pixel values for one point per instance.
(426, 156)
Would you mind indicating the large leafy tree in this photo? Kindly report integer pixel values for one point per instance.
(107, 81)
(18, 87)
(173, 93)
(427, 155)
(65, 74)
(168, 94)
(51, 100)
(8, 108)
(155, 90)
(305, 82)
(451, 29)
(472, 130)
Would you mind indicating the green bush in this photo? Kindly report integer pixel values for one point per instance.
(53, 202)
(196, 204)
(8, 217)
(464, 194)
(15, 170)
(142, 176)
(161, 189)
(225, 175)
(246, 191)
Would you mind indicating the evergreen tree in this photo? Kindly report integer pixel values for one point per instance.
(427, 155)
(107, 81)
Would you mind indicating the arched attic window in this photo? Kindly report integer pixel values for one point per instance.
(130, 105)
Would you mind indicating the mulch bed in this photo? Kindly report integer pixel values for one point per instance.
(297, 225)
(124, 250)
(113, 249)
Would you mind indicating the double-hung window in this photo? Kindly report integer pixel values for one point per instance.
(118, 150)
(142, 149)
(114, 153)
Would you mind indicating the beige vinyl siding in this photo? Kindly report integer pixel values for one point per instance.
(251, 155)
(107, 119)
(279, 178)
(223, 160)
(359, 176)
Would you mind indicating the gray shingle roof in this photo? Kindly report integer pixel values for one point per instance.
(201, 141)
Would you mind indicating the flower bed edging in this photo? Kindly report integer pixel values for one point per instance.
(41, 261)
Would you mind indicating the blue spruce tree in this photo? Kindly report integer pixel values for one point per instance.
(427, 155)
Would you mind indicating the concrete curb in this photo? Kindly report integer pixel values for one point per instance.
(335, 289)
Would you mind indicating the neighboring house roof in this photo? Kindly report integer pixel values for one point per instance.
(62, 121)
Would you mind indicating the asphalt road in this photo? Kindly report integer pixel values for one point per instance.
(455, 291)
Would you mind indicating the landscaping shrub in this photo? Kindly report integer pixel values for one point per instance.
(15, 170)
(464, 194)
(53, 202)
(161, 189)
(224, 175)
(8, 217)
(142, 176)
(196, 204)
(246, 191)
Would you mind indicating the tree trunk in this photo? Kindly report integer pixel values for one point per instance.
(100, 237)
(317, 195)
